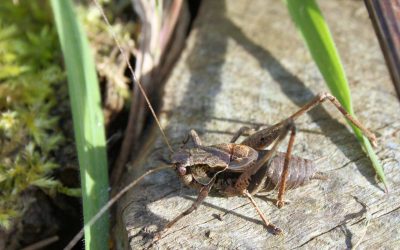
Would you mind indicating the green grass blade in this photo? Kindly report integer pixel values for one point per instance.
(87, 119)
(309, 20)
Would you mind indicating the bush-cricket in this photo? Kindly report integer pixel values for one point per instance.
(241, 168)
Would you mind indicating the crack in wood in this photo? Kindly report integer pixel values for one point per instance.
(344, 224)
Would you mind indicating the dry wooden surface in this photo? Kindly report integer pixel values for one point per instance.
(245, 63)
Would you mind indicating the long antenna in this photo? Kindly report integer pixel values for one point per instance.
(114, 199)
(134, 79)
(111, 202)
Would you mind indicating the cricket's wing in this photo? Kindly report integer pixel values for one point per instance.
(237, 157)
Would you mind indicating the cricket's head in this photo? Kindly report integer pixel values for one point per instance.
(197, 166)
(181, 160)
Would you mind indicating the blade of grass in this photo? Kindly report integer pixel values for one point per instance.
(309, 20)
(87, 119)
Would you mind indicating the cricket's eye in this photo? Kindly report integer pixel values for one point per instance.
(181, 170)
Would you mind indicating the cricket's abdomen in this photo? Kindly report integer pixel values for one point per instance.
(267, 178)
(300, 172)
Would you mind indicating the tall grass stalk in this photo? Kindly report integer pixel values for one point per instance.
(87, 119)
(311, 23)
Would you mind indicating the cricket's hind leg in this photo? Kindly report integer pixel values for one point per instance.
(265, 137)
(274, 135)
(285, 170)
(243, 181)
(246, 131)
(320, 98)
(301, 171)
(260, 139)
(275, 230)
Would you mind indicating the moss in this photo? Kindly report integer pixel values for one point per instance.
(32, 85)
(29, 75)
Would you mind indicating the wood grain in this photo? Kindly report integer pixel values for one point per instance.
(245, 63)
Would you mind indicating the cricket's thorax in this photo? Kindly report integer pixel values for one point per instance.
(197, 166)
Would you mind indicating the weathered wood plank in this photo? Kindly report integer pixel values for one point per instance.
(245, 63)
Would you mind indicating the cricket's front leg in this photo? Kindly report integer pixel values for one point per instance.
(195, 138)
(200, 198)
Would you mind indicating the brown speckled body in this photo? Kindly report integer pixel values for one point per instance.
(301, 171)
(266, 179)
